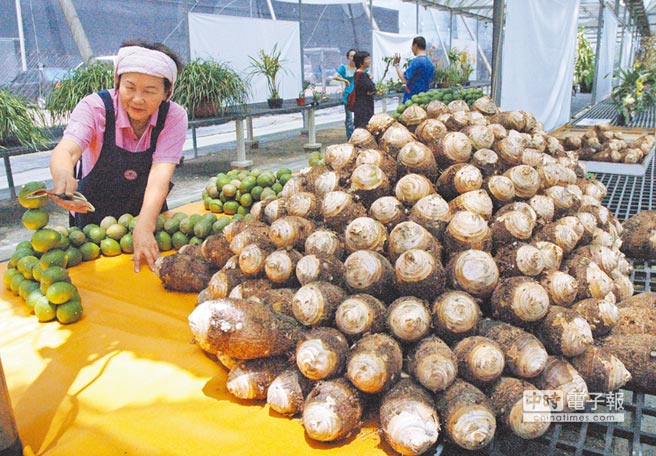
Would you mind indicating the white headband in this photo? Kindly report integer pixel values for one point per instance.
(137, 59)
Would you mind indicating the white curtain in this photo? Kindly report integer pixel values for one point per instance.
(539, 46)
(232, 40)
(386, 45)
(604, 76)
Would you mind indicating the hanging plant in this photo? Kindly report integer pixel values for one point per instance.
(19, 122)
(207, 87)
(584, 65)
(82, 82)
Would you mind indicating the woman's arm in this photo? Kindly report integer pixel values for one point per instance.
(62, 166)
(340, 75)
(143, 238)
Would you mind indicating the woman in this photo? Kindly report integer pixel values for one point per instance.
(365, 90)
(345, 74)
(126, 143)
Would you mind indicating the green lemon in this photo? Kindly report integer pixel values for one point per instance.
(33, 297)
(7, 276)
(221, 223)
(25, 265)
(266, 179)
(34, 219)
(74, 257)
(87, 228)
(26, 287)
(90, 251)
(28, 189)
(16, 280)
(60, 292)
(163, 241)
(116, 231)
(215, 206)
(69, 312)
(126, 243)
(284, 178)
(230, 207)
(229, 190)
(107, 221)
(36, 271)
(45, 239)
(20, 253)
(159, 223)
(54, 274)
(179, 239)
(44, 310)
(125, 220)
(172, 225)
(96, 234)
(256, 192)
(195, 241)
(110, 247)
(54, 257)
(77, 237)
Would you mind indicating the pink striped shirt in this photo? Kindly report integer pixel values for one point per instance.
(87, 126)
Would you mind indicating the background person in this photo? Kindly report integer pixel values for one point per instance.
(419, 75)
(365, 89)
(126, 143)
(345, 75)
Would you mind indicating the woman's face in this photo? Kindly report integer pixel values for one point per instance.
(350, 56)
(141, 94)
(367, 63)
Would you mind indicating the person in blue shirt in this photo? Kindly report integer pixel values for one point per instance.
(419, 75)
(345, 74)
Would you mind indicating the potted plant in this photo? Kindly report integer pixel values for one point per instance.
(584, 65)
(300, 101)
(83, 81)
(19, 122)
(269, 65)
(207, 87)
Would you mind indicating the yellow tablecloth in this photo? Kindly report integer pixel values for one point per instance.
(126, 379)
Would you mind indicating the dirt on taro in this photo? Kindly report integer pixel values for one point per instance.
(190, 178)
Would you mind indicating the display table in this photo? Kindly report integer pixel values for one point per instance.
(127, 380)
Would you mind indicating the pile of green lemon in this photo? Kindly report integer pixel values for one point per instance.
(235, 191)
(470, 95)
(37, 270)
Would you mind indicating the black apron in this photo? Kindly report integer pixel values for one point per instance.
(117, 183)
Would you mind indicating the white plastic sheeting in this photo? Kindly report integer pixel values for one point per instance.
(232, 40)
(604, 76)
(539, 46)
(386, 45)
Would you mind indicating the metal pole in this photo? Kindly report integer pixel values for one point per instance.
(600, 25)
(271, 11)
(417, 18)
(497, 44)
(622, 40)
(300, 34)
(478, 46)
(450, 29)
(186, 13)
(21, 36)
(80, 38)
(439, 36)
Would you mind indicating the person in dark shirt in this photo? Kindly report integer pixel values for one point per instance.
(419, 75)
(364, 90)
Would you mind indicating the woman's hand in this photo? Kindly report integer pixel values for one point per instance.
(62, 165)
(145, 247)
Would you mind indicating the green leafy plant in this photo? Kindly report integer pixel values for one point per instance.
(83, 81)
(268, 65)
(19, 122)
(584, 65)
(207, 87)
(635, 91)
